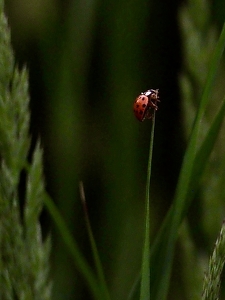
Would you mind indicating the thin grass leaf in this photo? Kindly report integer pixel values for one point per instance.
(78, 258)
(97, 261)
(165, 250)
(159, 251)
(198, 169)
(204, 152)
(145, 272)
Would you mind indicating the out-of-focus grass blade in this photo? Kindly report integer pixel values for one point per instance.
(192, 169)
(97, 261)
(198, 168)
(204, 152)
(145, 271)
(162, 263)
(78, 258)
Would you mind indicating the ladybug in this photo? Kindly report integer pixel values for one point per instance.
(145, 104)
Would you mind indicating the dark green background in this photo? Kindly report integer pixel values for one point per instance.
(88, 61)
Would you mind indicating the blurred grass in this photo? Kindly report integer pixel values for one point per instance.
(88, 61)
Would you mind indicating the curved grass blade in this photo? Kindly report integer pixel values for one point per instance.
(72, 247)
(97, 261)
(198, 169)
(192, 169)
(165, 250)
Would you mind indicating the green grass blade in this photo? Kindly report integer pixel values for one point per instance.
(210, 80)
(198, 169)
(165, 250)
(205, 150)
(78, 258)
(145, 272)
(162, 249)
(201, 159)
(97, 261)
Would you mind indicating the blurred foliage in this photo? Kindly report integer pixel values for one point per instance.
(24, 255)
(88, 60)
(212, 280)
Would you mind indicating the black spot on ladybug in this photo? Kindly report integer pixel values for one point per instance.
(140, 112)
(143, 105)
(143, 98)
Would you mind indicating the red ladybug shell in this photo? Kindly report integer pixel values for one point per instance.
(145, 104)
(141, 107)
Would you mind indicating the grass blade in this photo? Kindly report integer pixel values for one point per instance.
(192, 169)
(145, 272)
(97, 261)
(78, 259)
(165, 249)
(200, 161)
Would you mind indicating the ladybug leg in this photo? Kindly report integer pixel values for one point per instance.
(153, 105)
(149, 114)
(153, 99)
